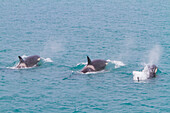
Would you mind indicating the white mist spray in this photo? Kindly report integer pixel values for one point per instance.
(154, 54)
(51, 47)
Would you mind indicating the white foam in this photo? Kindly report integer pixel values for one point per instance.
(12, 67)
(141, 75)
(117, 63)
(47, 59)
(83, 63)
(15, 67)
(24, 56)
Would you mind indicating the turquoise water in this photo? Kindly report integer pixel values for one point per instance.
(63, 33)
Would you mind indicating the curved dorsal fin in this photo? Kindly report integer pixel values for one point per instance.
(89, 61)
(20, 59)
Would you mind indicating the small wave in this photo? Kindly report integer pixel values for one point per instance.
(15, 63)
(83, 63)
(78, 66)
(11, 67)
(117, 63)
(15, 67)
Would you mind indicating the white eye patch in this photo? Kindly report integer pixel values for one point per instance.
(22, 65)
(156, 70)
(38, 59)
(90, 66)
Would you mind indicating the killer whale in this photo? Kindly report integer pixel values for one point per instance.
(95, 65)
(148, 72)
(152, 70)
(28, 62)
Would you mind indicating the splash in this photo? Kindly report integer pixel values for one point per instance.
(24, 56)
(47, 59)
(141, 75)
(154, 54)
(117, 63)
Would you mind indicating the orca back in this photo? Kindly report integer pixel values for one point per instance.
(99, 64)
(95, 65)
(32, 60)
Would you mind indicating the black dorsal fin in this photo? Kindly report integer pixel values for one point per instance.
(20, 59)
(89, 61)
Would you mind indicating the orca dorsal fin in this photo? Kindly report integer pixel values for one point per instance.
(89, 61)
(20, 59)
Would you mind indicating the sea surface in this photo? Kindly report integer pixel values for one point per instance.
(127, 33)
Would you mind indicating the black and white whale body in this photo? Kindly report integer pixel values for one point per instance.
(148, 72)
(29, 61)
(95, 65)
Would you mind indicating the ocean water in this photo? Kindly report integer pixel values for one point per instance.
(129, 34)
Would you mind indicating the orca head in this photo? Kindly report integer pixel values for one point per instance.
(152, 70)
(21, 63)
(89, 67)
